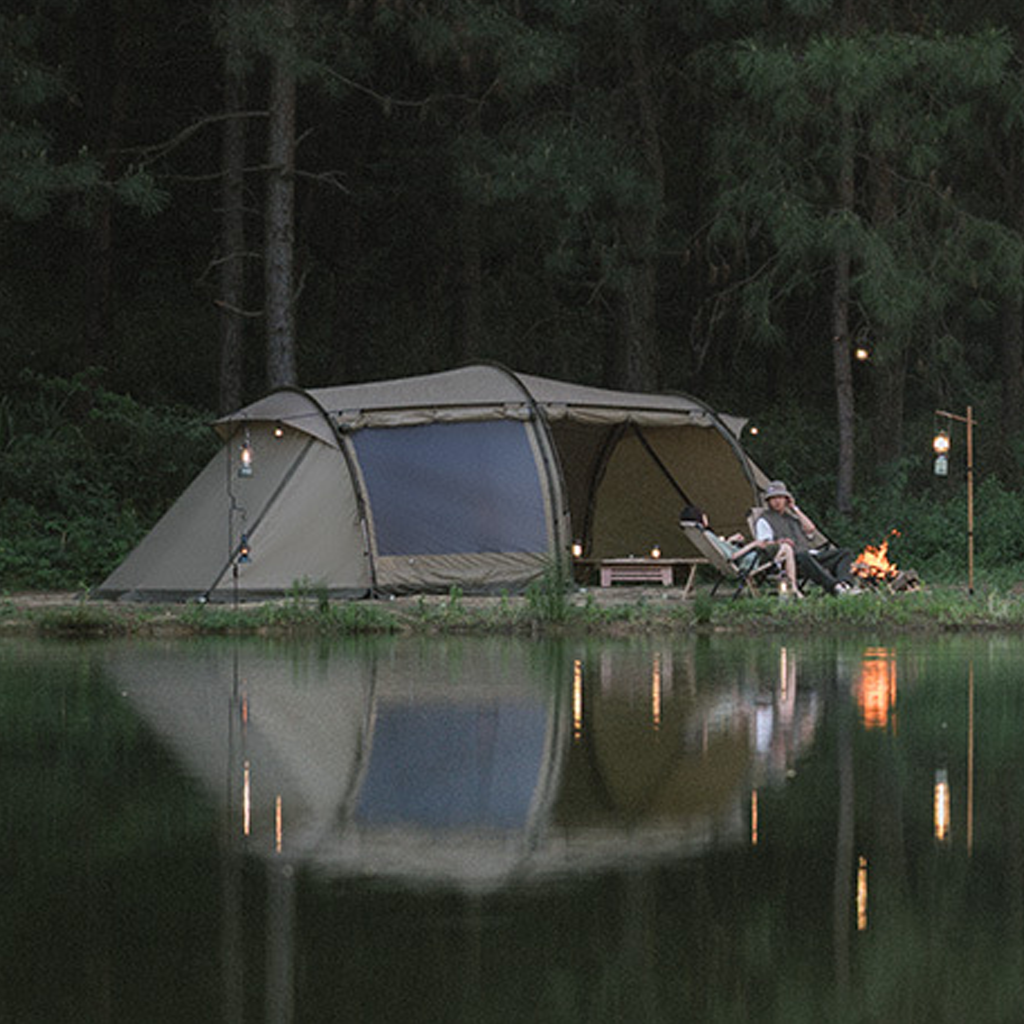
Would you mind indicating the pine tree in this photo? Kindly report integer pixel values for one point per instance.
(836, 168)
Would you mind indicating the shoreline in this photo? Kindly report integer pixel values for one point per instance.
(612, 611)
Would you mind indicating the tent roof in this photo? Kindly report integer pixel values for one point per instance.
(477, 392)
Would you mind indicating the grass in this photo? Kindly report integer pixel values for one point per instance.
(537, 612)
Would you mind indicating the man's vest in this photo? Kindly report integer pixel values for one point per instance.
(785, 525)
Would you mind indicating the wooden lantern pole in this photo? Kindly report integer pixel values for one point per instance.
(968, 420)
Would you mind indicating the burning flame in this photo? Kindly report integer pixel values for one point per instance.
(873, 562)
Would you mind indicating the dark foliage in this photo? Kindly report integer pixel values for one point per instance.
(649, 184)
(83, 474)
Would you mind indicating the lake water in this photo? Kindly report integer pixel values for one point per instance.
(495, 830)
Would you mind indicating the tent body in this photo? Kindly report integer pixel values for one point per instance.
(477, 478)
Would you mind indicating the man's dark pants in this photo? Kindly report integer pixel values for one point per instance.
(826, 568)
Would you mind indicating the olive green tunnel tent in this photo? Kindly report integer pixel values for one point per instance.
(476, 478)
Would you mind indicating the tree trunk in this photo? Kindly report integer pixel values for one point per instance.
(636, 328)
(471, 310)
(639, 231)
(1011, 344)
(842, 368)
(232, 257)
(1012, 389)
(279, 244)
(469, 341)
(106, 98)
(889, 379)
(889, 373)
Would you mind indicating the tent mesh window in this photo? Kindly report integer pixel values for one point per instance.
(453, 488)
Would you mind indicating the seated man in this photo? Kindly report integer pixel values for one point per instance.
(735, 548)
(816, 559)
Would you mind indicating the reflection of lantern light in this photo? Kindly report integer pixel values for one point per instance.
(941, 805)
(656, 692)
(246, 799)
(577, 699)
(753, 817)
(577, 549)
(862, 894)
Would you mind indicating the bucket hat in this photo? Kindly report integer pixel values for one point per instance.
(775, 489)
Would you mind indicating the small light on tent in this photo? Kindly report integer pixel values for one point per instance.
(278, 430)
(754, 431)
(656, 552)
(577, 549)
(245, 457)
(244, 551)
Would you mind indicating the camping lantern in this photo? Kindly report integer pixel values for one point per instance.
(656, 551)
(245, 457)
(244, 551)
(577, 549)
(940, 445)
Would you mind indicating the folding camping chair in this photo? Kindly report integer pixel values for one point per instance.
(747, 573)
(819, 540)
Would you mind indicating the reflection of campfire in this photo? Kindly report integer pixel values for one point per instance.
(876, 687)
(873, 566)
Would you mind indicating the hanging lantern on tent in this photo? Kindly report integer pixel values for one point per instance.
(244, 551)
(245, 457)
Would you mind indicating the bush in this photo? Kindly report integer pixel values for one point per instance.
(83, 474)
(927, 531)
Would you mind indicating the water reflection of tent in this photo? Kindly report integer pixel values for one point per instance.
(433, 764)
(445, 766)
(664, 781)
(250, 740)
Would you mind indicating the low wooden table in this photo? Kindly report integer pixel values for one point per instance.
(647, 570)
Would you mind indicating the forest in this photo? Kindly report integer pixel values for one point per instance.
(806, 212)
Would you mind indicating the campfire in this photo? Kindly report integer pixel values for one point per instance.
(873, 566)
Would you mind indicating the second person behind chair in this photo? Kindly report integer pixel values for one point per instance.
(736, 547)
